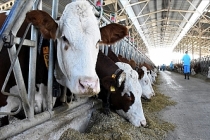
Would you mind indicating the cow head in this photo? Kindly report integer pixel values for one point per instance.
(153, 75)
(77, 34)
(145, 84)
(128, 102)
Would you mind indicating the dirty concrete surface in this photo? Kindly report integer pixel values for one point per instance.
(191, 114)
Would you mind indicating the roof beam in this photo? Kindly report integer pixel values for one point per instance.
(129, 5)
(163, 10)
(160, 21)
(107, 2)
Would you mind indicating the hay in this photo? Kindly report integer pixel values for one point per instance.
(114, 127)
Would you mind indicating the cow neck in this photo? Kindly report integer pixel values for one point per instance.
(105, 66)
(117, 73)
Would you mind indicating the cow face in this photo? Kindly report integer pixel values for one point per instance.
(145, 84)
(131, 106)
(154, 75)
(77, 48)
(77, 34)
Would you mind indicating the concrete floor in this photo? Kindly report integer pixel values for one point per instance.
(191, 115)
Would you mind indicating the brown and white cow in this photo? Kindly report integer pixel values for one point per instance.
(77, 35)
(145, 85)
(120, 89)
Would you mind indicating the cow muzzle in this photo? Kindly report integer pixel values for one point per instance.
(88, 86)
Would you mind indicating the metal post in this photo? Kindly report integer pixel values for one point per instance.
(51, 60)
(32, 65)
(200, 33)
(106, 50)
(192, 49)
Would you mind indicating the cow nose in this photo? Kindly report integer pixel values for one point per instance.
(89, 84)
(143, 123)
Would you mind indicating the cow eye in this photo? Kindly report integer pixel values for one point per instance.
(127, 95)
(64, 38)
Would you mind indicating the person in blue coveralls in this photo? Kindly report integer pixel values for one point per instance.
(172, 66)
(186, 64)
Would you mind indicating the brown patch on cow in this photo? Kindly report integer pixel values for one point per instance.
(2, 18)
(122, 102)
(131, 62)
(113, 33)
(141, 73)
(109, 82)
(66, 48)
(113, 56)
(44, 22)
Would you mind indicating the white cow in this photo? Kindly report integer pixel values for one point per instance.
(147, 90)
(135, 113)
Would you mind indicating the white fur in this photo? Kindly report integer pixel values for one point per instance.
(150, 77)
(193, 72)
(14, 102)
(135, 114)
(76, 65)
(40, 99)
(147, 90)
(153, 75)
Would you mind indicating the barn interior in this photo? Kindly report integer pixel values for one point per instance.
(159, 30)
(169, 27)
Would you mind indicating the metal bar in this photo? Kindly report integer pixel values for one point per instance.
(15, 65)
(26, 42)
(15, 19)
(51, 60)
(106, 50)
(7, 5)
(141, 12)
(32, 67)
(73, 111)
(129, 5)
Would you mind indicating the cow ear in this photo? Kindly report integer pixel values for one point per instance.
(108, 83)
(44, 22)
(113, 33)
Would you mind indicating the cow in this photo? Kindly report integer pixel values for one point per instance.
(77, 37)
(178, 68)
(150, 72)
(147, 91)
(120, 89)
(195, 68)
(131, 62)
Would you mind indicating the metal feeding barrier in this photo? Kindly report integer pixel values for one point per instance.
(205, 64)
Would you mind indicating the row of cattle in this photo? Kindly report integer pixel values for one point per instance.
(79, 64)
(195, 68)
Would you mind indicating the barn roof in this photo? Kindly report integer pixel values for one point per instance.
(179, 25)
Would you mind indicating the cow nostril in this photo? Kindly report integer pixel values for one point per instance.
(144, 123)
(81, 84)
